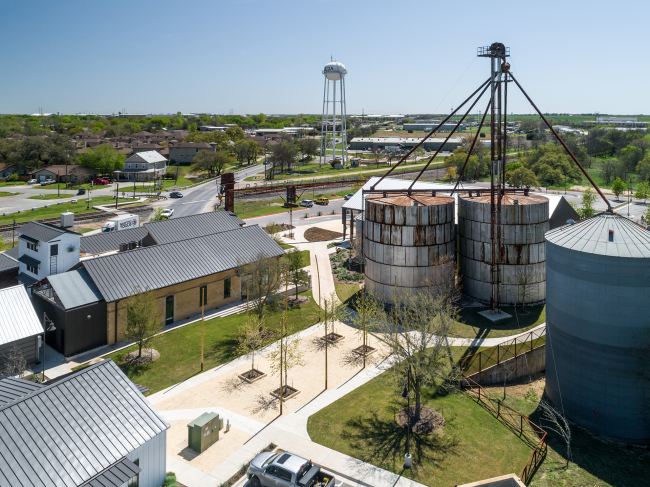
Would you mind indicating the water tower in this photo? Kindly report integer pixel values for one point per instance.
(334, 76)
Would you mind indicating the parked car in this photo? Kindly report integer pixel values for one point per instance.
(47, 182)
(348, 196)
(81, 191)
(307, 203)
(167, 212)
(99, 182)
(175, 194)
(32, 181)
(284, 469)
(323, 201)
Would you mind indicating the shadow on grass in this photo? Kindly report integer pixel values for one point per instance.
(382, 442)
(483, 327)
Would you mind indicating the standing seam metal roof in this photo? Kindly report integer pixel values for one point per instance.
(77, 427)
(74, 288)
(591, 235)
(161, 266)
(42, 231)
(12, 388)
(7, 262)
(176, 229)
(18, 319)
(105, 242)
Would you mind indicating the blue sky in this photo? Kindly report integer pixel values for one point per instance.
(254, 56)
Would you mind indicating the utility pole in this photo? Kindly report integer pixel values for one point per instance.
(317, 276)
(325, 344)
(203, 296)
(363, 321)
(117, 194)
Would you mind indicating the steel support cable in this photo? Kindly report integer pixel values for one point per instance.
(557, 136)
(471, 149)
(448, 137)
(435, 129)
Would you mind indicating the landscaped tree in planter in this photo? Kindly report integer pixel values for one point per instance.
(250, 338)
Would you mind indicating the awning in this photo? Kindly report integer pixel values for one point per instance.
(26, 280)
(28, 238)
(30, 261)
(115, 476)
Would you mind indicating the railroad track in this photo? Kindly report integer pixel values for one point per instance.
(79, 218)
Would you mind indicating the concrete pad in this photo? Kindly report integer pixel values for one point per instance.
(209, 481)
(494, 317)
(190, 477)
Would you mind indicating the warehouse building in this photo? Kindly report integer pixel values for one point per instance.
(91, 428)
(382, 143)
(429, 125)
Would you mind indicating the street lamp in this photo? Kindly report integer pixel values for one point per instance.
(48, 325)
(407, 395)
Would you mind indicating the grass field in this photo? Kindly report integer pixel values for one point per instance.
(473, 445)
(253, 208)
(346, 291)
(12, 183)
(6, 193)
(180, 349)
(472, 325)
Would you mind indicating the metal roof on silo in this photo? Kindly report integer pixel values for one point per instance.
(592, 235)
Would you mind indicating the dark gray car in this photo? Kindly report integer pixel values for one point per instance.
(270, 469)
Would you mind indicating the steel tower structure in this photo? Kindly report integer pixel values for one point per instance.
(334, 73)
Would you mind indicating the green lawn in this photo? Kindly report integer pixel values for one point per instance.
(472, 325)
(346, 291)
(12, 183)
(595, 463)
(7, 193)
(180, 350)
(474, 445)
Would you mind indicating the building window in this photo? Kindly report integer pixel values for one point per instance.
(54, 249)
(133, 481)
(32, 246)
(32, 269)
(203, 295)
(226, 288)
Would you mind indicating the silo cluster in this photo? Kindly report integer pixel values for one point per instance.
(598, 325)
(524, 221)
(409, 242)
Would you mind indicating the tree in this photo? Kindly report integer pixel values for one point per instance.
(452, 175)
(251, 337)
(642, 191)
(415, 332)
(643, 168)
(618, 187)
(14, 363)
(240, 150)
(219, 138)
(191, 127)
(211, 162)
(608, 169)
(521, 177)
(264, 276)
(309, 147)
(297, 275)
(525, 280)
(287, 356)
(283, 154)
(645, 218)
(235, 134)
(631, 156)
(253, 149)
(557, 423)
(103, 158)
(588, 198)
(551, 165)
(142, 321)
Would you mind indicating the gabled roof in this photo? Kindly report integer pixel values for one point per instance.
(9, 260)
(106, 242)
(18, 319)
(592, 235)
(161, 266)
(176, 229)
(12, 388)
(191, 145)
(78, 427)
(74, 288)
(42, 232)
(146, 156)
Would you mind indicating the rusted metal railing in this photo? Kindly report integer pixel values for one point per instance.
(532, 434)
(476, 362)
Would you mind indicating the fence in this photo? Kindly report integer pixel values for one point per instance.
(532, 434)
(507, 350)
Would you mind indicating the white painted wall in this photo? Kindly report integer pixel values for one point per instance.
(64, 261)
(153, 461)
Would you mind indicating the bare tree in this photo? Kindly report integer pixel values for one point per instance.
(250, 338)
(14, 363)
(142, 320)
(287, 356)
(525, 277)
(558, 424)
(264, 276)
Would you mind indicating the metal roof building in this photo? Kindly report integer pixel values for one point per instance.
(176, 229)
(110, 241)
(91, 428)
(19, 324)
(160, 266)
(597, 326)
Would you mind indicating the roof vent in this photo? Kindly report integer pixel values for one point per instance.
(611, 235)
(124, 246)
(570, 222)
(516, 202)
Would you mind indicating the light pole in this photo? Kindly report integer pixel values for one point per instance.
(88, 200)
(48, 325)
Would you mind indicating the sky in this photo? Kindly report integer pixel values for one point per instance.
(267, 56)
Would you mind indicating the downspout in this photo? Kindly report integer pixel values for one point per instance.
(116, 320)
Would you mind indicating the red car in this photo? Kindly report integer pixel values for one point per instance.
(99, 181)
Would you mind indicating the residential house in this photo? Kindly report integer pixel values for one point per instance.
(20, 326)
(90, 428)
(44, 250)
(7, 170)
(61, 173)
(143, 166)
(185, 152)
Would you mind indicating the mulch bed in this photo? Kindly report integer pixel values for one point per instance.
(430, 420)
(252, 375)
(369, 350)
(297, 302)
(316, 234)
(287, 392)
(149, 355)
(333, 337)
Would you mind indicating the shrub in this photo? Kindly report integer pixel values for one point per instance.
(320, 213)
(13, 177)
(170, 480)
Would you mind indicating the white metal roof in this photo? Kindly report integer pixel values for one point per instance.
(75, 288)
(18, 319)
(146, 156)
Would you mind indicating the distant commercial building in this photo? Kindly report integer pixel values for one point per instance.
(144, 166)
(429, 125)
(619, 122)
(185, 152)
(213, 128)
(381, 143)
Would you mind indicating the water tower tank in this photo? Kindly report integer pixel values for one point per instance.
(334, 71)
(408, 241)
(524, 221)
(598, 325)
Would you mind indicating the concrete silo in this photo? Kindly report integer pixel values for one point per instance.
(524, 222)
(408, 241)
(598, 325)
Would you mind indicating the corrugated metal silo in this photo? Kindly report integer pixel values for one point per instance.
(405, 240)
(524, 221)
(598, 325)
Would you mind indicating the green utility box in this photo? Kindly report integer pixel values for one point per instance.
(204, 431)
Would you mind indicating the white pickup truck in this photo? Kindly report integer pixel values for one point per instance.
(284, 469)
